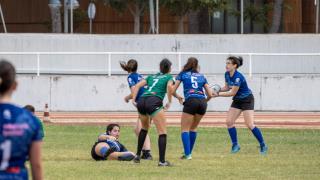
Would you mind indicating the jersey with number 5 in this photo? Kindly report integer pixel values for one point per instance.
(18, 128)
(193, 84)
(157, 85)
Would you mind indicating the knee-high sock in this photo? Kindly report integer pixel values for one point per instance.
(193, 137)
(185, 137)
(257, 133)
(103, 151)
(141, 138)
(233, 135)
(162, 144)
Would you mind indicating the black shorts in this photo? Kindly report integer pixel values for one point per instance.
(94, 155)
(195, 106)
(244, 104)
(149, 105)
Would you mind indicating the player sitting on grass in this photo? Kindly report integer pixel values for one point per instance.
(109, 147)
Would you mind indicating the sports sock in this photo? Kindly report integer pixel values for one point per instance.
(233, 135)
(162, 144)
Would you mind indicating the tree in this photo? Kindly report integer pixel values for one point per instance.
(135, 7)
(277, 16)
(55, 18)
(196, 9)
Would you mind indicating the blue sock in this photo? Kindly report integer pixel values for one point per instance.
(233, 135)
(103, 151)
(186, 142)
(257, 133)
(193, 137)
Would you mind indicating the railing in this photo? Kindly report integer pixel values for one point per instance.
(108, 56)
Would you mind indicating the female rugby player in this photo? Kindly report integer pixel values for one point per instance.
(150, 105)
(109, 147)
(243, 101)
(20, 135)
(133, 78)
(195, 86)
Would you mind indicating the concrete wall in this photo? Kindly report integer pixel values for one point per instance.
(211, 64)
(102, 93)
(280, 83)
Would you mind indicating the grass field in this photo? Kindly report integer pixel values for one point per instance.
(293, 154)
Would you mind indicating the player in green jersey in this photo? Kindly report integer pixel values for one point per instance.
(150, 105)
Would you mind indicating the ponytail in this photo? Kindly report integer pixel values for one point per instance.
(130, 66)
(236, 60)
(191, 65)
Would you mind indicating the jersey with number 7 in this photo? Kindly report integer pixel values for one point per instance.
(157, 85)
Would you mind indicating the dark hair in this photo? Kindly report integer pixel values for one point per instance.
(130, 66)
(236, 60)
(7, 76)
(165, 66)
(110, 127)
(192, 64)
(30, 108)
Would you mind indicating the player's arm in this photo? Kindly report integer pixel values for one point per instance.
(35, 160)
(128, 97)
(136, 90)
(175, 94)
(104, 137)
(225, 88)
(230, 93)
(209, 91)
(169, 93)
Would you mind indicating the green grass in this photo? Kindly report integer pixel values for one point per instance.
(293, 154)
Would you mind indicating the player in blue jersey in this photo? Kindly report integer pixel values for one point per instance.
(133, 78)
(109, 147)
(243, 101)
(21, 135)
(196, 93)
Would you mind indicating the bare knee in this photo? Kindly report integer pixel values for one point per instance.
(250, 125)
(229, 123)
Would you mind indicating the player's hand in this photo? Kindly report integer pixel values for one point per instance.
(126, 99)
(167, 106)
(134, 103)
(112, 138)
(181, 100)
(215, 94)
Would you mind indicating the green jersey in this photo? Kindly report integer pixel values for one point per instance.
(157, 85)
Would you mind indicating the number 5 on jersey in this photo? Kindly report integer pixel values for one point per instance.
(194, 82)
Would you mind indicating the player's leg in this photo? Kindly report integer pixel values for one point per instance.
(103, 150)
(122, 156)
(160, 123)
(193, 130)
(249, 121)
(186, 123)
(232, 116)
(145, 123)
(201, 111)
(146, 149)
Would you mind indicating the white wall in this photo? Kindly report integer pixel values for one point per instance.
(279, 83)
(102, 93)
(213, 64)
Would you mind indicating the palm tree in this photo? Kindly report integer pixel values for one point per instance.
(55, 6)
(277, 15)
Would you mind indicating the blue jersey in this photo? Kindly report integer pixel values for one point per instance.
(193, 84)
(238, 80)
(133, 79)
(119, 147)
(18, 128)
